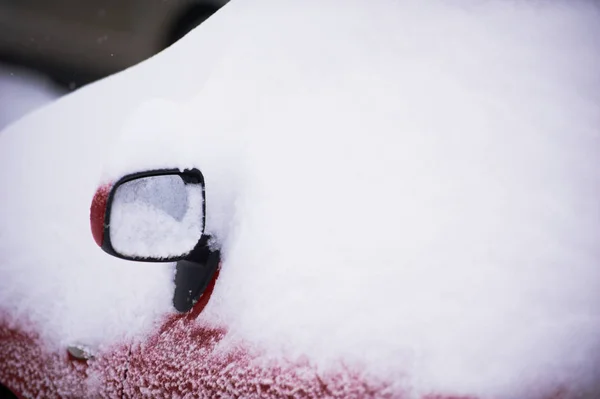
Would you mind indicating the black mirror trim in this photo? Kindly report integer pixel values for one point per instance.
(189, 176)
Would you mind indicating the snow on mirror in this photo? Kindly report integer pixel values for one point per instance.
(156, 217)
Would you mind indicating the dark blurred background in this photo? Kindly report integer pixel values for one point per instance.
(51, 47)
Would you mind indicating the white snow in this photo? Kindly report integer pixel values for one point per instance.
(411, 186)
(21, 92)
(156, 217)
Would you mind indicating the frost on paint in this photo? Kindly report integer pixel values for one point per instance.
(406, 187)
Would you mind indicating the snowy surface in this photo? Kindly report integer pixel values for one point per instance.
(21, 92)
(408, 186)
(156, 217)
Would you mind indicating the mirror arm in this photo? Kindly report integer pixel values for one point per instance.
(193, 275)
(201, 251)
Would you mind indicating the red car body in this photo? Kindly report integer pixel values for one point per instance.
(180, 359)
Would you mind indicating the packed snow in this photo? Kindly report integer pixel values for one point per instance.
(21, 92)
(156, 217)
(405, 186)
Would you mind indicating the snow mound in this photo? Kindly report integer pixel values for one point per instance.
(407, 186)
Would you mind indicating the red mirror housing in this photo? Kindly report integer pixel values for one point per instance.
(98, 211)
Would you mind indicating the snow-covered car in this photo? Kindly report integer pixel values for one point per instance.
(402, 197)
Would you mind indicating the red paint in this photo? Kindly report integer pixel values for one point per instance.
(97, 212)
(192, 315)
(31, 372)
(184, 358)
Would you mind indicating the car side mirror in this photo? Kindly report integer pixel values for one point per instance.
(153, 216)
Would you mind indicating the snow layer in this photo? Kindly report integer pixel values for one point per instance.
(156, 217)
(407, 186)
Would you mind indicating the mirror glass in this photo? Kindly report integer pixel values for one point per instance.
(158, 217)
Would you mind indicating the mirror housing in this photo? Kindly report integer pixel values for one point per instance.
(152, 216)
